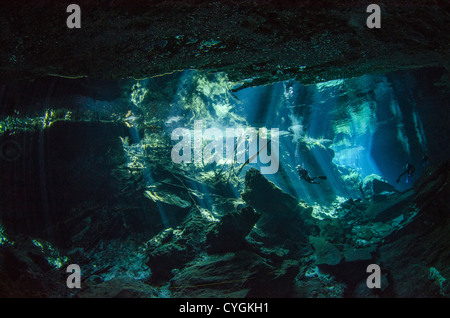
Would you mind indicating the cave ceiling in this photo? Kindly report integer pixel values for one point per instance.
(254, 42)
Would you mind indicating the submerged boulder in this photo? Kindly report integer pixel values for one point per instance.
(238, 275)
(266, 196)
(326, 253)
(166, 258)
(219, 275)
(379, 186)
(172, 249)
(229, 234)
(373, 185)
(283, 217)
(358, 254)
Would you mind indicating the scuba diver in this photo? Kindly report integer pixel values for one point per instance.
(409, 172)
(303, 173)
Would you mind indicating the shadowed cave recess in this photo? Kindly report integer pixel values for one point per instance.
(186, 149)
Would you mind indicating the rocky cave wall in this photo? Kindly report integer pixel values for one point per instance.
(253, 42)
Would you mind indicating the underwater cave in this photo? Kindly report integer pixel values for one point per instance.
(223, 149)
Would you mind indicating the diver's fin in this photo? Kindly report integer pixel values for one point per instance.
(400, 176)
(322, 177)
